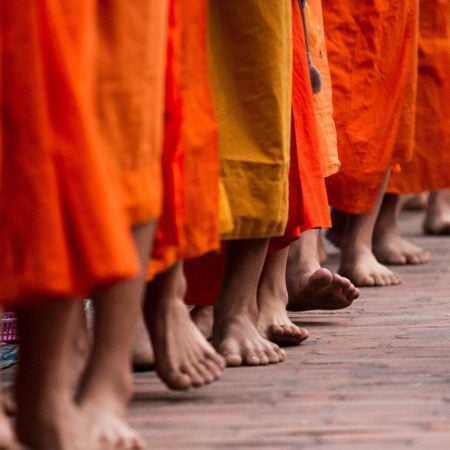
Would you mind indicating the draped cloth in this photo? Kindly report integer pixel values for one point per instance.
(429, 170)
(131, 75)
(65, 209)
(323, 100)
(308, 206)
(189, 225)
(308, 203)
(250, 52)
(372, 50)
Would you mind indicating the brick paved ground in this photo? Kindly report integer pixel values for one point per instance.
(376, 376)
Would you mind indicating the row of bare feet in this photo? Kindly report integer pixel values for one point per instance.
(249, 331)
(243, 331)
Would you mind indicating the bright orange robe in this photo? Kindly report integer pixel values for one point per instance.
(62, 231)
(372, 49)
(323, 101)
(131, 79)
(429, 170)
(189, 225)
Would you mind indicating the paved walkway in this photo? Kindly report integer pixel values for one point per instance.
(376, 376)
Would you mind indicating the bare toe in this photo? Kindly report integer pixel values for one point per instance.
(177, 380)
(250, 357)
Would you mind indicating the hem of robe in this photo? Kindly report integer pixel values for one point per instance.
(355, 203)
(371, 137)
(250, 54)
(204, 277)
(429, 170)
(268, 200)
(142, 194)
(308, 203)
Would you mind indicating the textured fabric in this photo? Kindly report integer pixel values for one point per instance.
(323, 101)
(308, 203)
(189, 226)
(132, 58)
(250, 68)
(372, 49)
(429, 170)
(62, 231)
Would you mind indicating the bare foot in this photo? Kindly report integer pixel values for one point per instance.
(183, 357)
(391, 248)
(320, 289)
(203, 317)
(8, 402)
(111, 431)
(142, 353)
(237, 339)
(50, 426)
(388, 245)
(6, 434)
(106, 412)
(273, 321)
(437, 219)
(363, 269)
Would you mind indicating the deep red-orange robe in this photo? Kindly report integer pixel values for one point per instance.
(189, 225)
(308, 203)
(372, 50)
(429, 170)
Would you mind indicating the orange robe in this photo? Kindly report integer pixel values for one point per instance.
(62, 231)
(308, 205)
(131, 77)
(429, 170)
(323, 100)
(189, 224)
(372, 49)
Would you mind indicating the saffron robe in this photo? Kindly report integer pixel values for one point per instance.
(429, 170)
(64, 231)
(250, 53)
(372, 50)
(308, 206)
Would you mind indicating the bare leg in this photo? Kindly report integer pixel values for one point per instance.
(358, 263)
(437, 219)
(322, 251)
(414, 202)
(273, 321)
(142, 353)
(6, 433)
(81, 347)
(388, 245)
(235, 335)
(311, 287)
(107, 384)
(339, 225)
(183, 357)
(48, 417)
(203, 317)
